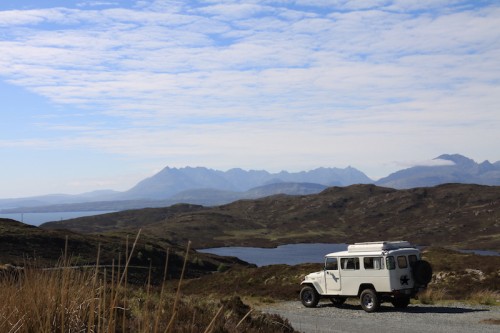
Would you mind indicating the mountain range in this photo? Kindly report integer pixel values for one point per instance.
(171, 181)
(210, 187)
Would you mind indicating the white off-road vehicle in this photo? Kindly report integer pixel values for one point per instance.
(375, 272)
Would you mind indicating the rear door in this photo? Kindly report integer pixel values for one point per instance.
(401, 277)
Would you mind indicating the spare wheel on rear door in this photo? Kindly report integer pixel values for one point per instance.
(422, 272)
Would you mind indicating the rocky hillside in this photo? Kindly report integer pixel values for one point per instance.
(22, 245)
(456, 215)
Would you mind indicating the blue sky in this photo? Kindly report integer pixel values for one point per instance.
(101, 94)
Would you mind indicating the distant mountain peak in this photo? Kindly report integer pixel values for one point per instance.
(456, 158)
(461, 170)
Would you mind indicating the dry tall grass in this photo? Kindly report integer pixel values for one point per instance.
(485, 297)
(432, 295)
(100, 300)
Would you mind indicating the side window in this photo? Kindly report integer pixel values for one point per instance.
(373, 263)
(402, 263)
(349, 263)
(331, 264)
(391, 264)
(412, 259)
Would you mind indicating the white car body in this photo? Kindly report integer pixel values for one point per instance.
(386, 268)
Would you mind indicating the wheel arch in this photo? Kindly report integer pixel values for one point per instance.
(311, 284)
(364, 286)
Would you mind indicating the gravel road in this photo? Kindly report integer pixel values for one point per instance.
(457, 318)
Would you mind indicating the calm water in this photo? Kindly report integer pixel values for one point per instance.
(481, 252)
(291, 254)
(294, 254)
(39, 218)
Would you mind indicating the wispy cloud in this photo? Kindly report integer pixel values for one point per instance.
(288, 76)
(433, 162)
(97, 3)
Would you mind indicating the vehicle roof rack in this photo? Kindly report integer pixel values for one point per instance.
(378, 246)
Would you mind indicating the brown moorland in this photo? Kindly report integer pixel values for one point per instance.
(101, 299)
(453, 215)
(26, 245)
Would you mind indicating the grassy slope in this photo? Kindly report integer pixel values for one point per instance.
(96, 300)
(456, 215)
(22, 244)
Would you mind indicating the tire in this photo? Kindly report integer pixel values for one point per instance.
(369, 300)
(422, 272)
(338, 300)
(401, 302)
(309, 297)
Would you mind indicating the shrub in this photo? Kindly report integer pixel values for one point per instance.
(222, 268)
(432, 295)
(485, 297)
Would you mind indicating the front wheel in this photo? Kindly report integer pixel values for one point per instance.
(309, 297)
(369, 300)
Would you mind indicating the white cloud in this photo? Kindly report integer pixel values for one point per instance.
(97, 3)
(429, 163)
(325, 78)
(234, 11)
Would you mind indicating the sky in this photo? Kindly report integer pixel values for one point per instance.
(102, 94)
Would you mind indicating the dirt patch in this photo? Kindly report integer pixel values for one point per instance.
(491, 321)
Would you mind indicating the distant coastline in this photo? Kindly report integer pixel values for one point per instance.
(39, 218)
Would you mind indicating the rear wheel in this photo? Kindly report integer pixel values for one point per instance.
(338, 300)
(309, 297)
(401, 302)
(369, 300)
